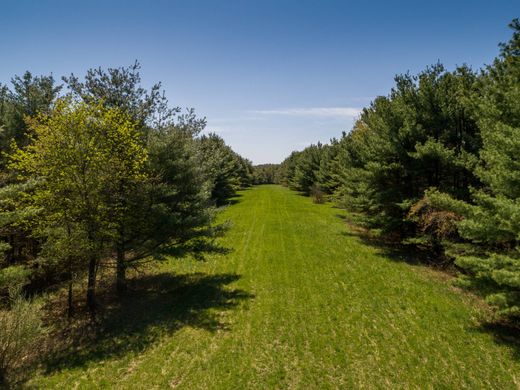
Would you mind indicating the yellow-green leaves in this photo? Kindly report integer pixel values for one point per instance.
(80, 148)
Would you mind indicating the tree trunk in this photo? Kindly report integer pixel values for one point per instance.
(121, 270)
(9, 255)
(3, 380)
(70, 311)
(91, 287)
(70, 308)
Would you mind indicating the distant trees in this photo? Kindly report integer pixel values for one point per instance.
(266, 174)
(225, 170)
(435, 164)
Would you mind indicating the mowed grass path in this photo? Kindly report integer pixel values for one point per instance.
(297, 304)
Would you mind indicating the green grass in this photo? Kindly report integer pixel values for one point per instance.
(298, 303)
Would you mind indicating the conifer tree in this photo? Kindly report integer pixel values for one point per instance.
(221, 167)
(491, 221)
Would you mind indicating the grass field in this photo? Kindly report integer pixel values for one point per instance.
(297, 303)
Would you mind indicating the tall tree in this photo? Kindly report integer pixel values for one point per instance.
(121, 88)
(79, 151)
(422, 135)
(491, 222)
(221, 166)
(29, 96)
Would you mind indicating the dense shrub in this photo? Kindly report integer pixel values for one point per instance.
(20, 326)
(21, 330)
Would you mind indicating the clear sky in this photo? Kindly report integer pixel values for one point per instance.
(270, 76)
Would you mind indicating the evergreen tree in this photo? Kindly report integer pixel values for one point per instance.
(30, 95)
(329, 170)
(120, 88)
(491, 221)
(266, 173)
(306, 167)
(422, 135)
(221, 167)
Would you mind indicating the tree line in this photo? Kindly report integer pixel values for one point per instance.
(435, 164)
(98, 173)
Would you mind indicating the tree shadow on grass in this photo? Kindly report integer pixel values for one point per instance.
(503, 332)
(394, 251)
(236, 198)
(155, 306)
(205, 243)
(391, 248)
(199, 249)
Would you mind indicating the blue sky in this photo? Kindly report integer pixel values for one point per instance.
(270, 76)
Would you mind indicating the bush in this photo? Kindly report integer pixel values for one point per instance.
(317, 194)
(435, 227)
(20, 330)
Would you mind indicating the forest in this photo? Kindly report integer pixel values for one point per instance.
(101, 177)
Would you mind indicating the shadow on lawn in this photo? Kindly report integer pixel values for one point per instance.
(392, 249)
(199, 249)
(503, 333)
(155, 306)
(237, 198)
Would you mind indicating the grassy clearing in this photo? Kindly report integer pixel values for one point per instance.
(298, 303)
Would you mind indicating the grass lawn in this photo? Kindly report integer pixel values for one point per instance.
(298, 302)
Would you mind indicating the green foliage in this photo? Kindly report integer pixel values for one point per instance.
(21, 330)
(84, 157)
(171, 193)
(109, 172)
(266, 173)
(420, 136)
(245, 171)
(329, 173)
(306, 169)
(13, 278)
(223, 168)
(179, 193)
(492, 219)
(121, 88)
(17, 215)
(301, 170)
(30, 95)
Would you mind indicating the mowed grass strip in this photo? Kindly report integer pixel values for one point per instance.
(298, 303)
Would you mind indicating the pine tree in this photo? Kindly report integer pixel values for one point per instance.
(221, 167)
(492, 221)
(422, 135)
